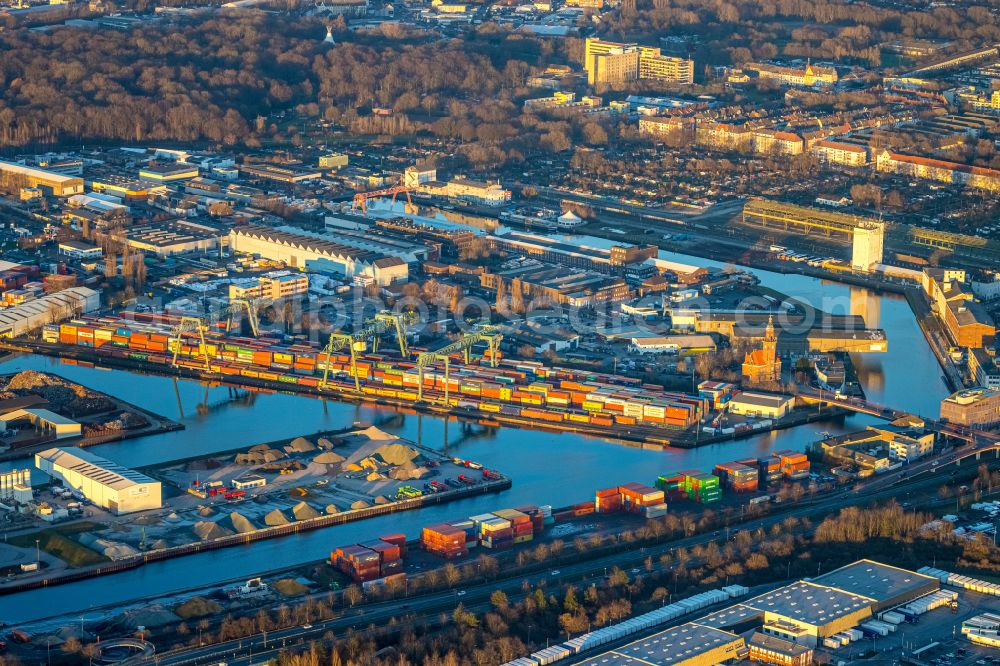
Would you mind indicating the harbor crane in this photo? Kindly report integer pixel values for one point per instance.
(252, 306)
(189, 324)
(485, 333)
(373, 329)
(361, 198)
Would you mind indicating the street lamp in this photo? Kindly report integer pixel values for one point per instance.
(38, 553)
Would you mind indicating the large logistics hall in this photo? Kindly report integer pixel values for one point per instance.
(780, 622)
(57, 184)
(105, 483)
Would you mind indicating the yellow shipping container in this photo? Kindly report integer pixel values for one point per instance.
(489, 407)
(280, 357)
(582, 418)
(505, 393)
(592, 406)
(103, 333)
(406, 395)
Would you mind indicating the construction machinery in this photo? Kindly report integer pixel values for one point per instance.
(484, 333)
(370, 333)
(189, 324)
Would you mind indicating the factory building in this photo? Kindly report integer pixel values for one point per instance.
(105, 483)
(345, 254)
(168, 172)
(32, 315)
(56, 184)
(173, 237)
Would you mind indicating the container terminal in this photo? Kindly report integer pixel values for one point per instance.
(496, 389)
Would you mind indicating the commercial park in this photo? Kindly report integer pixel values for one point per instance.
(792, 624)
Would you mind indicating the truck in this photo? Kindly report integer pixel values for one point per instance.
(19, 636)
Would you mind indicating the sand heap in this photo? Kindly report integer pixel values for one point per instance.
(381, 499)
(327, 443)
(408, 471)
(375, 476)
(241, 523)
(275, 518)
(329, 458)
(258, 455)
(300, 445)
(206, 530)
(395, 454)
(303, 511)
(331, 509)
(360, 504)
(151, 616)
(113, 550)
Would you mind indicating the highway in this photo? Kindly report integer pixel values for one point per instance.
(910, 482)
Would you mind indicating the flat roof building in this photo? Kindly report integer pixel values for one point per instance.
(976, 408)
(173, 237)
(768, 405)
(168, 172)
(56, 184)
(889, 586)
(32, 315)
(105, 483)
(689, 644)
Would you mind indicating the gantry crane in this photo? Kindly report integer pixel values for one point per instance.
(373, 329)
(361, 198)
(252, 306)
(484, 333)
(189, 324)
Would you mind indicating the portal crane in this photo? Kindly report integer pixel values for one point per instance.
(189, 324)
(373, 329)
(252, 306)
(485, 333)
(361, 198)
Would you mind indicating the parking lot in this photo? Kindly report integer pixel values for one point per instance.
(936, 638)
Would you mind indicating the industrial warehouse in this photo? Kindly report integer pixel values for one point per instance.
(105, 483)
(783, 626)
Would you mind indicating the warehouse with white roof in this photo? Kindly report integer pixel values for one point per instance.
(105, 483)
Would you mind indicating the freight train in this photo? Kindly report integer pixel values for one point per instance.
(518, 389)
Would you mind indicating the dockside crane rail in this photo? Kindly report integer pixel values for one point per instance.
(250, 305)
(485, 333)
(189, 324)
(383, 322)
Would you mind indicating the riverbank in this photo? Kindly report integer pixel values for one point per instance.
(157, 424)
(936, 337)
(487, 486)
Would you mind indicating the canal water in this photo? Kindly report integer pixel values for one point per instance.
(546, 468)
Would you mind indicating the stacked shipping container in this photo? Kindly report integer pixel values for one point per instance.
(794, 464)
(737, 477)
(445, 540)
(632, 497)
(514, 389)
